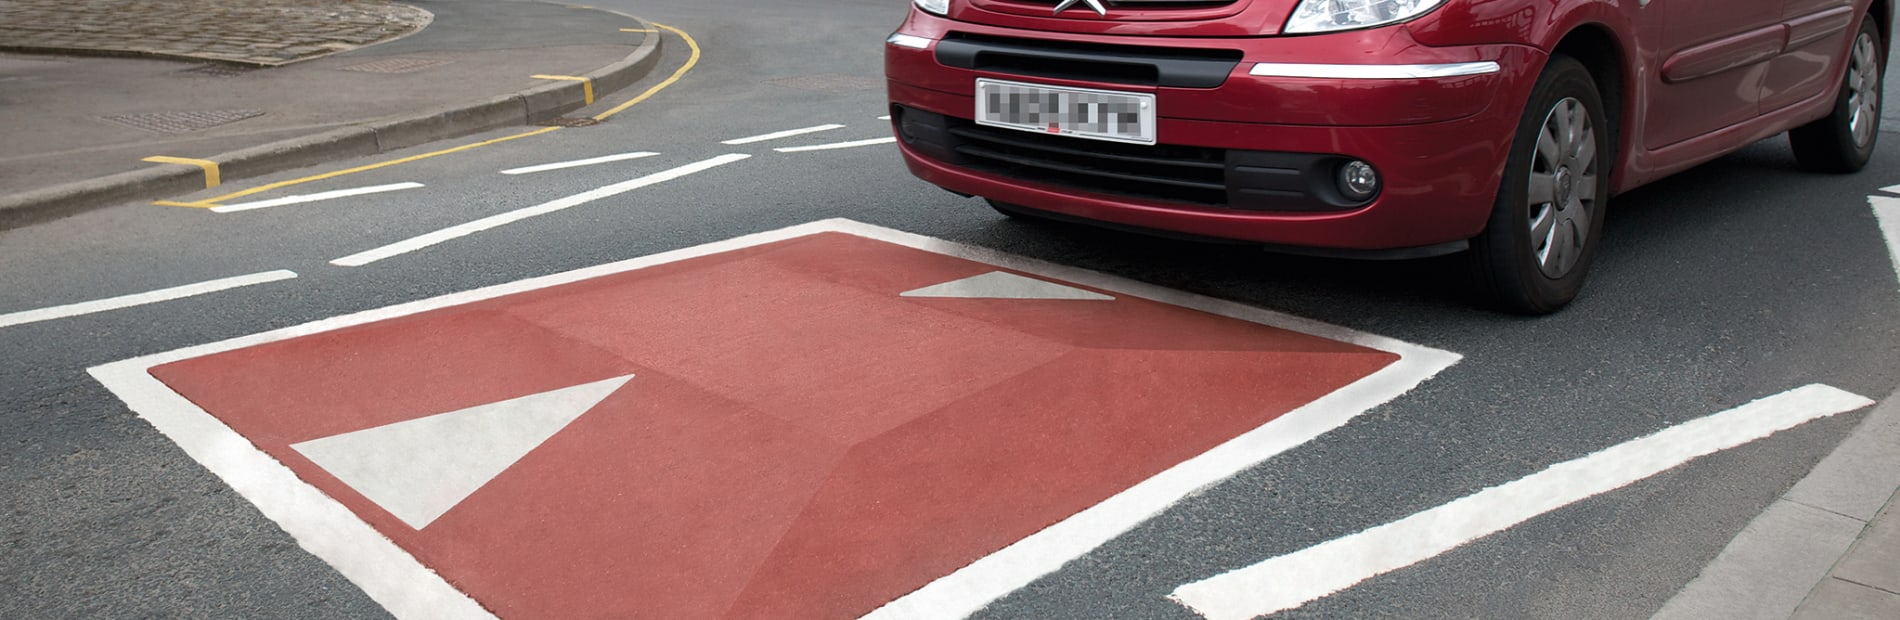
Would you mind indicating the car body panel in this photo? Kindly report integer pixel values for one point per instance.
(1692, 80)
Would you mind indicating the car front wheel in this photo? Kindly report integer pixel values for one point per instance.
(1542, 234)
(1844, 141)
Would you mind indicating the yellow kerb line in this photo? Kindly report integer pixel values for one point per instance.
(690, 61)
(587, 84)
(638, 30)
(210, 167)
(328, 175)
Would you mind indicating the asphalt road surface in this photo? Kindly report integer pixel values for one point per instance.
(1738, 280)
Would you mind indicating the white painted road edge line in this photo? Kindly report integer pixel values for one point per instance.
(321, 525)
(836, 145)
(138, 299)
(303, 198)
(395, 579)
(605, 159)
(782, 134)
(1292, 580)
(416, 243)
(1887, 213)
(969, 589)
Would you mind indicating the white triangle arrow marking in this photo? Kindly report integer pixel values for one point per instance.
(1887, 212)
(419, 469)
(1001, 285)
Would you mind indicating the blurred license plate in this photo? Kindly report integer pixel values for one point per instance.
(1079, 112)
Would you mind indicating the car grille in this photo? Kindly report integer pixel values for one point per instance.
(1189, 176)
(1175, 173)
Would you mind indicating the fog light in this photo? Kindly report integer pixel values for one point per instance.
(1357, 180)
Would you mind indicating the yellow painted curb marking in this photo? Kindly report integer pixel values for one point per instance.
(194, 205)
(328, 175)
(587, 84)
(638, 30)
(210, 167)
(690, 61)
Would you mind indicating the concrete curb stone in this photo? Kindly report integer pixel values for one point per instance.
(1801, 556)
(533, 105)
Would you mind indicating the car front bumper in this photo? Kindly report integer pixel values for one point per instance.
(1250, 158)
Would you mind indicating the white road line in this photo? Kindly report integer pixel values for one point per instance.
(884, 117)
(835, 145)
(1887, 213)
(416, 243)
(127, 301)
(782, 134)
(1292, 580)
(303, 198)
(578, 163)
(1891, 189)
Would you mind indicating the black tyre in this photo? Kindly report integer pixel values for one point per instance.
(1844, 140)
(1542, 235)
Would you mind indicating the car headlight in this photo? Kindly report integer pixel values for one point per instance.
(1331, 15)
(935, 7)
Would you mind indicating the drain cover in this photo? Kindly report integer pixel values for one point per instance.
(569, 121)
(831, 82)
(217, 70)
(184, 121)
(396, 65)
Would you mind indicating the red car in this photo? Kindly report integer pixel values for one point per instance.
(1374, 128)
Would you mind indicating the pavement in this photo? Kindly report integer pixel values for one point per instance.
(108, 101)
(1828, 549)
(91, 91)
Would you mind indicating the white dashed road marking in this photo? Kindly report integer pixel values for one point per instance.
(127, 301)
(578, 163)
(782, 134)
(1292, 580)
(416, 243)
(303, 198)
(836, 145)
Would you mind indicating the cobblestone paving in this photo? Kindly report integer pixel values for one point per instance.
(256, 32)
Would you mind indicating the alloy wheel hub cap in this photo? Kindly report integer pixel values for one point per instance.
(1566, 187)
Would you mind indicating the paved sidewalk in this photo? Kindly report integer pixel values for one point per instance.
(256, 32)
(1865, 583)
(1829, 549)
(92, 90)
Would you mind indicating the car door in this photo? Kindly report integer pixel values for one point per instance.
(1709, 66)
(1817, 32)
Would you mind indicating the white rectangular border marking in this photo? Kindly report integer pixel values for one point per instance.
(303, 198)
(500, 219)
(126, 301)
(604, 159)
(782, 134)
(836, 145)
(409, 590)
(1292, 580)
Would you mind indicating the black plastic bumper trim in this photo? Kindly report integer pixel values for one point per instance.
(1143, 66)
